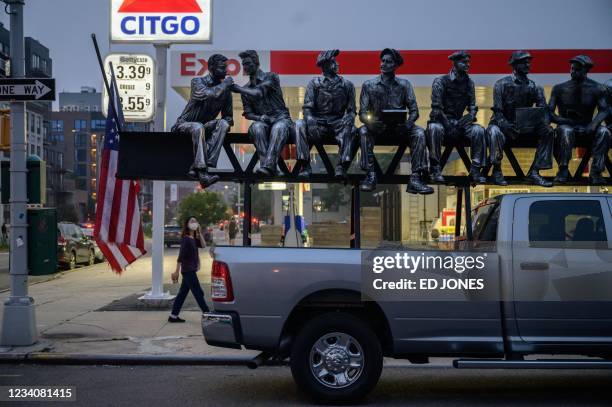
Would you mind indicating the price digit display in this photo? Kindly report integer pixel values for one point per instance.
(135, 75)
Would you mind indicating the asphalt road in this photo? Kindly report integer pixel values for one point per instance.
(414, 386)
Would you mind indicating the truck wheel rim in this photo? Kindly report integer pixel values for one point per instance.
(336, 360)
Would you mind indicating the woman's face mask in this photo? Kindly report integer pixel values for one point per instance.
(193, 225)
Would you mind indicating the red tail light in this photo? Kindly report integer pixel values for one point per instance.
(61, 241)
(221, 282)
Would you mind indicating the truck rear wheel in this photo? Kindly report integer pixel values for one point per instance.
(336, 357)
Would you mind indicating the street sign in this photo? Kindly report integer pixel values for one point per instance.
(160, 21)
(27, 89)
(135, 74)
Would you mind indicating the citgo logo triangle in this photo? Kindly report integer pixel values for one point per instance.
(160, 6)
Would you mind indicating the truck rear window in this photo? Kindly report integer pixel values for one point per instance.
(566, 221)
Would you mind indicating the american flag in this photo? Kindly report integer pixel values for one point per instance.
(118, 230)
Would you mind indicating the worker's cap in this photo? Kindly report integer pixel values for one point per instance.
(583, 60)
(459, 56)
(519, 56)
(394, 54)
(327, 56)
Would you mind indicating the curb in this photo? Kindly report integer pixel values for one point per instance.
(150, 360)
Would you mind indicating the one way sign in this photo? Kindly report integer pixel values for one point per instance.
(27, 89)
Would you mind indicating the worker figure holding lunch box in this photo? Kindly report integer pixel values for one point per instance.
(382, 102)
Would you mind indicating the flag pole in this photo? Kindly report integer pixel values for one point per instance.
(106, 85)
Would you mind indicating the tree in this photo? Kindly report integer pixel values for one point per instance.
(206, 206)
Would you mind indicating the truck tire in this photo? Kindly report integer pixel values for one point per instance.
(336, 358)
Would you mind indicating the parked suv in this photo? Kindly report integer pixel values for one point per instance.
(73, 247)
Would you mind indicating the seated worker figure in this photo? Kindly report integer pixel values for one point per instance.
(451, 95)
(387, 92)
(575, 101)
(210, 97)
(509, 94)
(262, 100)
(329, 109)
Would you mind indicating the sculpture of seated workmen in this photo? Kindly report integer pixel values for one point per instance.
(329, 109)
(262, 101)
(210, 97)
(575, 101)
(451, 95)
(389, 93)
(510, 94)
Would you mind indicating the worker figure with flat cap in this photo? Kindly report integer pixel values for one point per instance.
(575, 102)
(387, 92)
(329, 109)
(509, 94)
(451, 95)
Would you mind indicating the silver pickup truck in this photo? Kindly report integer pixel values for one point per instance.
(552, 257)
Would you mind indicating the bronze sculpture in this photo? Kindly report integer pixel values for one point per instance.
(513, 97)
(576, 101)
(262, 100)
(210, 96)
(389, 93)
(451, 95)
(329, 109)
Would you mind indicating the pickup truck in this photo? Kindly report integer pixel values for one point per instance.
(306, 304)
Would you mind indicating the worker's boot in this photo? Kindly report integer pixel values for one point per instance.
(535, 178)
(206, 179)
(476, 176)
(416, 186)
(369, 184)
(498, 176)
(435, 174)
(562, 176)
(595, 178)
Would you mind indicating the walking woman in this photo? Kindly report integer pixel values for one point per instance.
(188, 264)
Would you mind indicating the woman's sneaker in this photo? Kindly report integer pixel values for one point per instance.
(175, 319)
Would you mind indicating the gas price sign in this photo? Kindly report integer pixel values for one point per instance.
(135, 76)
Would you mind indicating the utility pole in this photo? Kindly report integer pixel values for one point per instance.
(19, 319)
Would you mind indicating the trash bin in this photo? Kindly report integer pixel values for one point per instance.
(42, 241)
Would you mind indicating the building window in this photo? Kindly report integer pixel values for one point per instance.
(81, 140)
(35, 61)
(81, 171)
(38, 151)
(80, 124)
(98, 124)
(37, 120)
(57, 125)
(81, 183)
(81, 155)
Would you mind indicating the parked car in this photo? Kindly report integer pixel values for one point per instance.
(73, 246)
(88, 230)
(547, 254)
(172, 235)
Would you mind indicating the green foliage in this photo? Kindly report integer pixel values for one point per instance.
(206, 206)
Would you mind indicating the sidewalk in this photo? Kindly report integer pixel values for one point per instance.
(70, 321)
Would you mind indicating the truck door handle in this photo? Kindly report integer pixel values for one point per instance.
(535, 265)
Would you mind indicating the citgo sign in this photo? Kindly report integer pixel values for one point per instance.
(159, 21)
